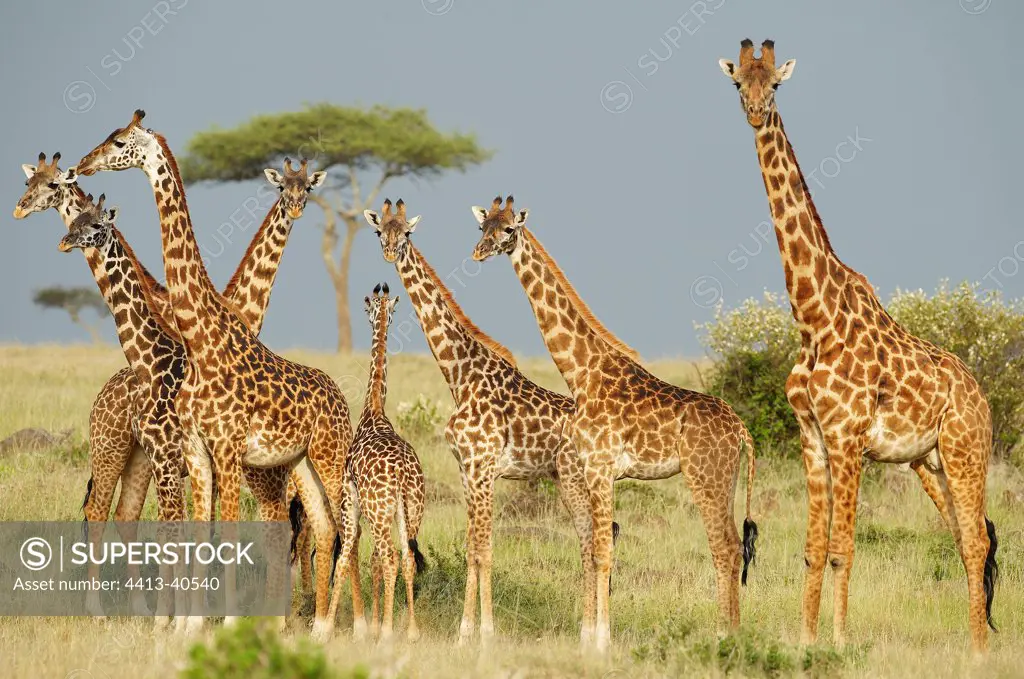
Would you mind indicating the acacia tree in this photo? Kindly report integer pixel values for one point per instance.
(73, 301)
(349, 143)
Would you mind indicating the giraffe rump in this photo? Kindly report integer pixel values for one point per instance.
(991, 571)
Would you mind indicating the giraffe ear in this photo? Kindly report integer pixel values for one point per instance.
(411, 224)
(110, 214)
(367, 305)
(728, 68)
(521, 217)
(394, 302)
(273, 176)
(783, 72)
(29, 170)
(479, 213)
(317, 178)
(372, 218)
(70, 176)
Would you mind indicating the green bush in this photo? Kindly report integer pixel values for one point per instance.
(757, 345)
(421, 420)
(252, 650)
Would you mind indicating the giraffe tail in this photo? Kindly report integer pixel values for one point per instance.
(296, 514)
(991, 571)
(336, 556)
(85, 501)
(749, 527)
(417, 555)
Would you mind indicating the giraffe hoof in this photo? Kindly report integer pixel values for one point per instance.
(192, 626)
(413, 635)
(141, 609)
(161, 623)
(322, 631)
(359, 629)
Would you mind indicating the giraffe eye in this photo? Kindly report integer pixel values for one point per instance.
(509, 229)
(52, 185)
(737, 85)
(119, 144)
(775, 86)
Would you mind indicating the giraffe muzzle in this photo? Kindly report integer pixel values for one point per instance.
(20, 212)
(84, 168)
(64, 245)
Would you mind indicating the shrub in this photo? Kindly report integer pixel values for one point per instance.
(252, 650)
(420, 420)
(757, 346)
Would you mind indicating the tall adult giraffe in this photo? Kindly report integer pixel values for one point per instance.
(240, 404)
(626, 422)
(504, 425)
(863, 385)
(123, 407)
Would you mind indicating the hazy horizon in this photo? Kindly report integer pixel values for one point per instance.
(613, 125)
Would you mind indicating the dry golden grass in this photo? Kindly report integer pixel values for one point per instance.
(907, 608)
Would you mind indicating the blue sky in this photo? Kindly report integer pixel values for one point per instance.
(611, 122)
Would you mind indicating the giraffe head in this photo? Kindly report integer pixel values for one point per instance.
(380, 308)
(92, 228)
(392, 228)
(124, 148)
(295, 185)
(757, 79)
(501, 226)
(46, 186)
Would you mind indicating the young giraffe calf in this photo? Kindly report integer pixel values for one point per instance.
(385, 478)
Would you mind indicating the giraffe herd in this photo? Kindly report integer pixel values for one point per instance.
(204, 398)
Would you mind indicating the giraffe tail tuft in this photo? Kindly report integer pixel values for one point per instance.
(88, 493)
(336, 556)
(417, 555)
(749, 546)
(991, 571)
(749, 527)
(295, 516)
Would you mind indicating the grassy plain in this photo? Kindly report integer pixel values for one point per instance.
(907, 607)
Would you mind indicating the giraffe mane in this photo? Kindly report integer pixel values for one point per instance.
(156, 296)
(816, 218)
(471, 329)
(580, 305)
(236, 278)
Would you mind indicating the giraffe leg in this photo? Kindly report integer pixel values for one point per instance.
(468, 623)
(600, 480)
(964, 452)
(937, 487)
(484, 520)
(715, 502)
(269, 487)
(375, 609)
(348, 516)
(409, 575)
(135, 480)
(844, 469)
(200, 472)
(380, 524)
(227, 464)
(572, 489)
(323, 533)
(819, 516)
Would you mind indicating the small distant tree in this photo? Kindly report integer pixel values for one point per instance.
(349, 143)
(73, 301)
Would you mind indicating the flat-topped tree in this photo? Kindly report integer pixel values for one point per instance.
(74, 301)
(349, 143)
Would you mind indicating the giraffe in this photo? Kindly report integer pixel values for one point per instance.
(504, 425)
(863, 385)
(385, 478)
(240, 404)
(626, 422)
(121, 405)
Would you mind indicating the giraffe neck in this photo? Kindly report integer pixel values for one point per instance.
(453, 347)
(377, 389)
(568, 335)
(71, 204)
(194, 300)
(814, 274)
(119, 280)
(250, 286)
